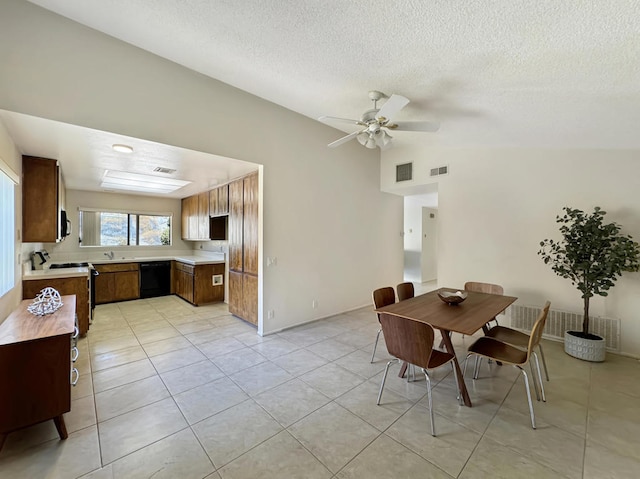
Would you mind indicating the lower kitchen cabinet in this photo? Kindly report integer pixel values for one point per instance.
(195, 283)
(117, 282)
(243, 296)
(78, 286)
(36, 370)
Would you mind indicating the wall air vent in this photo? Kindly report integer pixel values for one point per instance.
(442, 170)
(160, 169)
(404, 172)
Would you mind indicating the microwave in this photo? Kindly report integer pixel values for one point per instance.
(65, 225)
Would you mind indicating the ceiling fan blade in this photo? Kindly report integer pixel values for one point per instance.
(415, 126)
(344, 139)
(344, 120)
(392, 106)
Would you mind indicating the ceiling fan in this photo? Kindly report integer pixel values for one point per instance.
(376, 122)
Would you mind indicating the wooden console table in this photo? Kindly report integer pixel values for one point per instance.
(35, 367)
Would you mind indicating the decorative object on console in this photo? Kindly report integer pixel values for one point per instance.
(47, 302)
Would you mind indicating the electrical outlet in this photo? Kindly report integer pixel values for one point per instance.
(270, 314)
(314, 303)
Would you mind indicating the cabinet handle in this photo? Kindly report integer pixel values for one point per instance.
(73, 382)
(76, 332)
(74, 354)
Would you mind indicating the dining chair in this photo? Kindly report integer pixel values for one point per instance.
(382, 297)
(491, 348)
(412, 341)
(405, 291)
(484, 288)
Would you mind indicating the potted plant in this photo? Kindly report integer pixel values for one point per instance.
(592, 255)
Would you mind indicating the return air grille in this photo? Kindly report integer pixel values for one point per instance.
(161, 169)
(441, 170)
(404, 172)
(523, 317)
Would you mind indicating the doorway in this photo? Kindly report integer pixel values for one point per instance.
(420, 236)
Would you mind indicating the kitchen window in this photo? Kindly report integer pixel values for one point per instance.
(118, 228)
(8, 180)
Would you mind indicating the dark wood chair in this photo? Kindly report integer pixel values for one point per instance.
(405, 291)
(412, 341)
(491, 348)
(382, 297)
(484, 288)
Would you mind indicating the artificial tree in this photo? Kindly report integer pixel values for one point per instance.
(592, 254)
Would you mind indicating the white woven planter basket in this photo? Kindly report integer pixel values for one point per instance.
(593, 350)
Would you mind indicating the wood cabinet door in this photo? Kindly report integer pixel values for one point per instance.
(235, 294)
(236, 194)
(223, 200)
(203, 216)
(250, 225)
(40, 215)
(213, 202)
(250, 298)
(193, 217)
(184, 217)
(127, 285)
(105, 288)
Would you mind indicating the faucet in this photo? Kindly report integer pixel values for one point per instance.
(110, 255)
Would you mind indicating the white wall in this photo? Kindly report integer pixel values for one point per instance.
(495, 207)
(11, 157)
(335, 235)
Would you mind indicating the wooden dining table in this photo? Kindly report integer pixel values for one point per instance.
(464, 318)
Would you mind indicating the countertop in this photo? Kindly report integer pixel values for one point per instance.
(75, 272)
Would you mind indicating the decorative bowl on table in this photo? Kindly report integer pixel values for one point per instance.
(452, 298)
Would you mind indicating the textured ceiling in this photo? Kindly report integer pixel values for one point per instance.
(546, 73)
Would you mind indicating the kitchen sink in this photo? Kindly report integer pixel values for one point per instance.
(69, 265)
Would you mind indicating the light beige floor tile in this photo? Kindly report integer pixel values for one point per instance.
(359, 362)
(234, 431)
(166, 345)
(238, 360)
(291, 401)
(73, 457)
(191, 376)
(156, 325)
(384, 458)
(179, 455)
(203, 401)
(252, 337)
(361, 401)
(449, 450)
(285, 457)
(204, 336)
(300, 362)
(357, 339)
(119, 375)
(332, 380)
(330, 349)
(275, 348)
(122, 399)
(189, 327)
(260, 378)
(117, 358)
(220, 347)
(177, 359)
(83, 388)
(121, 342)
(611, 429)
(601, 462)
(334, 435)
(82, 414)
(412, 390)
(491, 459)
(552, 447)
(134, 430)
(102, 473)
(28, 437)
(153, 335)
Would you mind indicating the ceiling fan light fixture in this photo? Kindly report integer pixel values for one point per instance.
(371, 142)
(363, 137)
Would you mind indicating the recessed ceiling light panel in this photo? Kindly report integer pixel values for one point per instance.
(124, 180)
(122, 148)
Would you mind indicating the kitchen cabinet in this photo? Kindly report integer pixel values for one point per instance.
(219, 201)
(77, 285)
(243, 248)
(43, 196)
(195, 217)
(36, 368)
(194, 283)
(117, 282)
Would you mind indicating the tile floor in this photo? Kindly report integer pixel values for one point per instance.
(169, 390)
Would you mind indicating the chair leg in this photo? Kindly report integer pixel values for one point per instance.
(384, 378)
(464, 366)
(534, 380)
(526, 385)
(433, 427)
(476, 369)
(375, 345)
(544, 362)
(535, 356)
(455, 376)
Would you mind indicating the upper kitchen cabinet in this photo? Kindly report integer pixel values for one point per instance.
(195, 217)
(43, 197)
(219, 201)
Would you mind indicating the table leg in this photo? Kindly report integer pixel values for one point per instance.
(60, 426)
(446, 339)
(403, 369)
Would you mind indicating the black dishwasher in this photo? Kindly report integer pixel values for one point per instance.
(155, 279)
